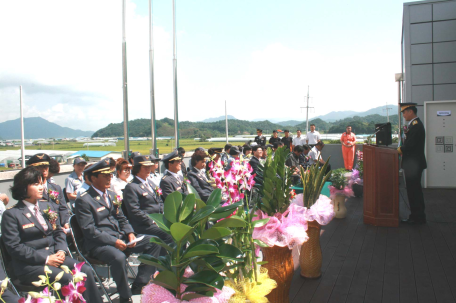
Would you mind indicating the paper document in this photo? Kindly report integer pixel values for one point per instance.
(135, 240)
(66, 230)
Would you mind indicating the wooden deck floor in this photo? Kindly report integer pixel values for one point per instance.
(363, 263)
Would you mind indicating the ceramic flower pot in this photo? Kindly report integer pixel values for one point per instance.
(280, 268)
(358, 190)
(339, 206)
(310, 257)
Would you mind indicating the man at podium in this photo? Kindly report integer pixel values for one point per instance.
(413, 162)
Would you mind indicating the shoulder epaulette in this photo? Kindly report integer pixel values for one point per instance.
(414, 122)
(130, 181)
(83, 194)
(12, 206)
(164, 177)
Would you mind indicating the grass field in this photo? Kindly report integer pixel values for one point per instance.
(164, 146)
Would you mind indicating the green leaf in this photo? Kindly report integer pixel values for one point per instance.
(188, 297)
(233, 221)
(180, 231)
(199, 204)
(260, 243)
(159, 220)
(198, 287)
(167, 278)
(206, 277)
(150, 260)
(230, 252)
(172, 204)
(215, 198)
(192, 190)
(187, 207)
(200, 250)
(158, 241)
(259, 223)
(203, 213)
(215, 233)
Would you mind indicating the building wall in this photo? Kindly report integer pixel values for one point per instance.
(429, 51)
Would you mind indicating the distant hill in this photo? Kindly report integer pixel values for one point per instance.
(289, 123)
(37, 127)
(219, 119)
(334, 116)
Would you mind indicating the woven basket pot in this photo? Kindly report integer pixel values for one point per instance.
(310, 258)
(280, 268)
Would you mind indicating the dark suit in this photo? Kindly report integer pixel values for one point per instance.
(170, 184)
(199, 182)
(29, 246)
(59, 204)
(255, 162)
(260, 140)
(413, 163)
(102, 225)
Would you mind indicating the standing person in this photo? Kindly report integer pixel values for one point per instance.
(75, 180)
(313, 136)
(154, 177)
(107, 232)
(413, 162)
(275, 137)
(260, 139)
(287, 140)
(298, 140)
(197, 176)
(172, 181)
(123, 172)
(348, 140)
(33, 241)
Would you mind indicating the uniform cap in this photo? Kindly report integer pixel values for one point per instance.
(134, 154)
(38, 159)
(259, 130)
(274, 131)
(101, 167)
(217, 150)
(234, 151)
(153, 158)
(142, 160)
(406, 105)
(286, 131)
(78, 160)
(172, 156)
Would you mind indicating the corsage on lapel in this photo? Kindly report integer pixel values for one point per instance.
(51, 216)
(54, 195)
(158, 191)
(117, 202)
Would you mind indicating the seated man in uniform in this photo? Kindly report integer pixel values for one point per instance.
(107, 231)
(198, 178)
(172, 181)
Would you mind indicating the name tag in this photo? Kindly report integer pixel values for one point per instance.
(25, 226)
(179, 188)
(101, 209)
(145, 194)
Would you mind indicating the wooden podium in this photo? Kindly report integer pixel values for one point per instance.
(381, 186)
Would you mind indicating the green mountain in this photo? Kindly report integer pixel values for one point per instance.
(165, 127)
(36, 127)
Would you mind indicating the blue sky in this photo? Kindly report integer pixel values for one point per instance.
(260, 56)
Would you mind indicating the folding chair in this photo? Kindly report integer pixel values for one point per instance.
(16, 285)
(78, 239)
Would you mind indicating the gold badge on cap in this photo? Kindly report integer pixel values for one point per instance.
(40, 157)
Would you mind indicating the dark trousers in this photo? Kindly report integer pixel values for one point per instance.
(413, 175)
(117, 260)
(91, 294)
(153, 230)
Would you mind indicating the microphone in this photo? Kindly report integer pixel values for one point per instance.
(381, 126)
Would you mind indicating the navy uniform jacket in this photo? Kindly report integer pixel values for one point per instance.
(140, 202)
(413, 145)
(255, 162)
(170, 184)
(100, 224)
(260, 140)
(25, 239)
(199, 182)
(59, 204)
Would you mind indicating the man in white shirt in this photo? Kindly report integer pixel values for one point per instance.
(315, 156)
(313, 136)
(298, 140)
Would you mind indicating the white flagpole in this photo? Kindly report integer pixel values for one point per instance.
(22, 129)
(124, 82)
(176, 115)
(151, 73)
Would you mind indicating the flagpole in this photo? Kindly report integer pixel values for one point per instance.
(152, 88)
(176, 115)
(22, 129)
(124, 83)
(226, 123)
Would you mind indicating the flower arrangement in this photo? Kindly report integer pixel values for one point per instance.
(51, 216)
(340, 186)
(54, 195)
(313, 179)
(321, 211)
(118, 202)
(72, 292)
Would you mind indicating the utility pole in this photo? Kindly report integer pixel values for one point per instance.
(387, 109)
(307, 110)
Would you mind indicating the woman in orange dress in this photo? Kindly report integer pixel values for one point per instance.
(348, 140)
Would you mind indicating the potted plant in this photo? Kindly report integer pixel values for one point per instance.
(357, 175)
(286, 227)
(318, 211)
(340, 191)
(195, 261)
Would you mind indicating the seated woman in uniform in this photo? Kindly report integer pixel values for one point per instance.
(33, 240)
(197, 176)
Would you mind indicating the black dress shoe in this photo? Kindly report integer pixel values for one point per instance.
(414, 221)
(137, 288)
(125, 300)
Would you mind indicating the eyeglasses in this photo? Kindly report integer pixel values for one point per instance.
(125, 171)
